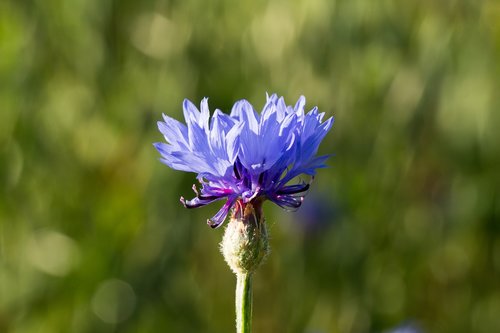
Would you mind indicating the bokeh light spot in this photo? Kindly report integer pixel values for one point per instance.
(114, 301)
(52, 252)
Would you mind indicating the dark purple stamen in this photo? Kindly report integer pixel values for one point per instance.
(287, 201)
(238, 169)
(235, 170)
(293, 189)
(261, 178)
(247, 182)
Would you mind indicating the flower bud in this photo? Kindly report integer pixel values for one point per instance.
(245, 243)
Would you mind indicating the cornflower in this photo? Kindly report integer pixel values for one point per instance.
(245, 158)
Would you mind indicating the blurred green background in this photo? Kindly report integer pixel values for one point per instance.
(403, 226)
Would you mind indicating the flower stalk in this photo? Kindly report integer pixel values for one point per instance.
(244, 303)
(244, 245)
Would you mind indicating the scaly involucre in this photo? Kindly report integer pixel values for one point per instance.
(245, 156)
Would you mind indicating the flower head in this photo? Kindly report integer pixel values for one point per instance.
(245, 156)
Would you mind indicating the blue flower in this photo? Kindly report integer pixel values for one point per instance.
(245, 156)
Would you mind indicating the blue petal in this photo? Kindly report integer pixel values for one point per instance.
(311, 144)
(182, 160)
(174, 132)
(191, 113)
(217, 137)
(275, 141)
(272, 99)
(244, 112)
(233, 142)
(299, 106)
(197, 138)
(249, 148)
(226, 121)
(204, 115)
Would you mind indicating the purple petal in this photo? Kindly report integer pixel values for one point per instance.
(198, 202)
(217, 220)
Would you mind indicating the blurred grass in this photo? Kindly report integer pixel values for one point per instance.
(404, 225)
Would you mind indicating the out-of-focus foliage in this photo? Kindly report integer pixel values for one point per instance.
(403, 227)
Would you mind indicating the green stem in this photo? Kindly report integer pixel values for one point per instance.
(243, 303)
